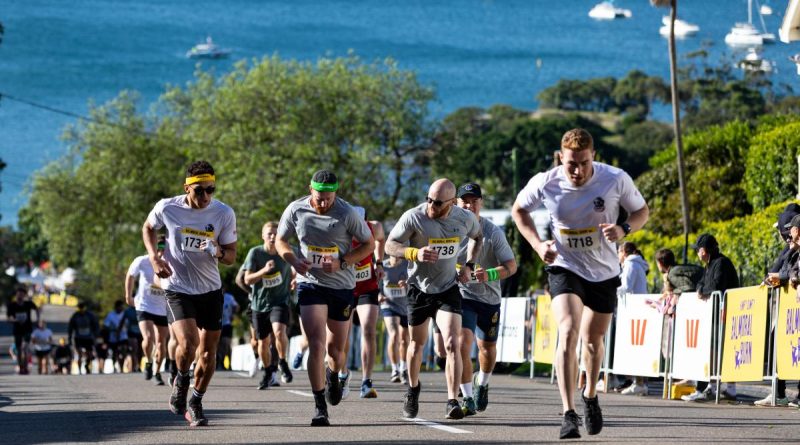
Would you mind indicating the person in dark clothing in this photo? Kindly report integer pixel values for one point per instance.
(82, 332)
(719, 275)
(19, 314)
(62, 357)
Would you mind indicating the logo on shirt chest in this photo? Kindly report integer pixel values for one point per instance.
(209, 227)
(599, 204)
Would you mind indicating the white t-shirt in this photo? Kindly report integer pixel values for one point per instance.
(41, 338)
(194, 271)
(113, 321)
(148, 298)
(577, 212)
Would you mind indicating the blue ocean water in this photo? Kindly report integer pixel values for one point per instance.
(475, 52)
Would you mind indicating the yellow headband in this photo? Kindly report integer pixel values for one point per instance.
(199, 178)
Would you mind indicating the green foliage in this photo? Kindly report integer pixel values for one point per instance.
(749, 241)
(771, 174)
(265, 128)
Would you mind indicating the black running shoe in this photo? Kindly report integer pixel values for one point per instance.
(286, 373)
(333, 390)
(148, 370)
(320, 412)
(593, 415)
(264, 384)
(159, 380)
(411, 402)
(177, 401)
(441, 362)
(480, 393)
(194, 414)
(453, 410)
(569, 426)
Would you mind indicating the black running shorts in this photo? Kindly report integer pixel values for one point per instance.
(598, 296)
(422, 306)
(205, 309)
(339, 301)
(158, 320)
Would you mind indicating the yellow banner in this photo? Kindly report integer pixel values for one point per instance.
(745, 334)
(787, 334)
(544, 341)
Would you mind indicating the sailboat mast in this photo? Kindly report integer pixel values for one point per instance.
(750, 11)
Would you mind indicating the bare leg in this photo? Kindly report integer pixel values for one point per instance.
(368, 314)
(419, 335)
(206, 363)
(450, 325)
(593, 329)
(567, 310)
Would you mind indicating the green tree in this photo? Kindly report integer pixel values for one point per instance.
(266, 128)
(771, 165)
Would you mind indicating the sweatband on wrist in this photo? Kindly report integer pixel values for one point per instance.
(410, 253)
(492, 274)
(323, 187)
(199, 178)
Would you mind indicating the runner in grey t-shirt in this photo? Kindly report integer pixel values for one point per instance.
(394, 308)
(434, 231)
(325, 227)
(481, 305)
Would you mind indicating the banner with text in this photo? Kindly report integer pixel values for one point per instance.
(693, 326)
(511, 341)
(787, 340)
(745, 334)
(637, 344)
(546, 333)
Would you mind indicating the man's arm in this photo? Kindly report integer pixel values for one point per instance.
(240, 281)
(522, 218)
(636, 221)
(380, 247)
(160, 266)
(129, 281)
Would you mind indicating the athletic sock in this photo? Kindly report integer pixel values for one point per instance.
(395, 368)
(402, 365)
(197, 397)
(483, 378)
(343, 376)
(466, 389)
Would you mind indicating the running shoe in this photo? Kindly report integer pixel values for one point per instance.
(411, 402)
(274, 380)
(698, 396)
(367, 391)
(148, 370)
(333, 389)
(194, 414)
(286, 373)
(635, 390)
(395, 378)
(177, 400)
(480, 393)
(453, 410)
(794, 403)
(468, 406)
(569, 426)
(264, 384)
(404, 377)
(593, 415)
(320, 412)
(298, 360)
(726, 395)
(767, 401)
(344, 383)
(159, 380)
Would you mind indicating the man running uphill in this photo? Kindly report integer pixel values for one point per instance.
(584, 199)
(201, 231)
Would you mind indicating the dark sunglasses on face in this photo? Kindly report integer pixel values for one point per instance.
(199, 190)
(436, 202)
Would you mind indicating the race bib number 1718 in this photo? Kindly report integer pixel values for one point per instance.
(580, 240)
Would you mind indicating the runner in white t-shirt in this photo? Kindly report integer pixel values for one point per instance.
(201, 232)
(151, 312)
(584, 199)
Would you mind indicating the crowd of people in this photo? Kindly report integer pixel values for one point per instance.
(441, 262)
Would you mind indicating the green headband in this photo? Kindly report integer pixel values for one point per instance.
(323, 187)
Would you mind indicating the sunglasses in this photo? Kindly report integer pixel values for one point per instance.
(199, 190)
(436, 202)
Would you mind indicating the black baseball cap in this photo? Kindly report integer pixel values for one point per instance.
(794, 222)
(469, 188)
(705, 240)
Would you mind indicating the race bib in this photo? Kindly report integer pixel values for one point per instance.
(394, 291)
(157, 291)
(21, 317)
(364, 273)
(192, 238)
(472, 278)
(272, 280)
(580, 240)
(445, 247)
(84, 331)
(317, 254)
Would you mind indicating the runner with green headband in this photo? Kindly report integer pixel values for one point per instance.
(325, 227)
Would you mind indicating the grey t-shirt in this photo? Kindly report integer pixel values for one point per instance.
(319, 236)
(396, 298)
(494, 252)
(445, 234)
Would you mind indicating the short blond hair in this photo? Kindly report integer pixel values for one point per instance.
(577, 139)
(270, 224)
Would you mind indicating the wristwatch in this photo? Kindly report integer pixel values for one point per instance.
(626, 228)
(343, 265)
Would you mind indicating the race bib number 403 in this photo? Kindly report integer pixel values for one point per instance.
(580, 240)
(191, 239)
(364, 273)
(445, 247)
(317, 254)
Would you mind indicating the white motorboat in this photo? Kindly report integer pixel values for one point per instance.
(754, 62)
(745, 34)
(682, 28)
(607, 11)
(207, 50)
(765, 10)
(796, 60)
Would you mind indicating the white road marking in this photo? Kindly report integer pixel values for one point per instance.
(301, 393)
(438, 426)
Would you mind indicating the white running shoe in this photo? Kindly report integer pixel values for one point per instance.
(698, 396)
(767, 401)
(600, 386)
(635, 390)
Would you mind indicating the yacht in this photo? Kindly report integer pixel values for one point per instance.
(796, 60)
(765, 10)
(207, 50)
(682, 28)
(754, 62)
(745, 34)
(607, 11)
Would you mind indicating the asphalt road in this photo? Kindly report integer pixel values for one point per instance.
(126, 409)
